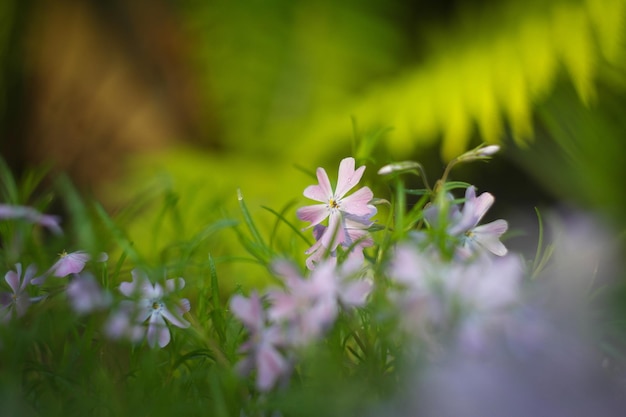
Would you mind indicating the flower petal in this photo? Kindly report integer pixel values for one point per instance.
(28, 276)
(248, 310)
(348, 177)
(483, 203)
(314, 214)
(357, 203)
(13, 278)
(495, 228)
(270, 366)
(174, 284)
(322, 192)
(335, 234)
(355, 292)
(71, 263)
(157, 331)
(176, 321)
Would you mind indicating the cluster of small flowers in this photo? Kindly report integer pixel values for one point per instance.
(431, 290)
(306, 307)
(476, 286)
(297, 315)
(145, 302)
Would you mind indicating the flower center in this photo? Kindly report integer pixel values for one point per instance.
(333, 204)
(156, 305)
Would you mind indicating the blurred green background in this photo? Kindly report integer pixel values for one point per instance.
(170, 106)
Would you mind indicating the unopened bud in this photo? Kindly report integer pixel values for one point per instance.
(399, 167)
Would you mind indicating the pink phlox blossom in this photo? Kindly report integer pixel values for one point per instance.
(298, 307)
(86, 295)
(336, 206)
(18, 300)
(11, 211)
(69, 263)
(264, 343)
(418, 287)
(343, 283)
(122, 324)
(309, 306)
(475, 237)
(152, 305)
(463, 223)
(473, 294)
(486, 284)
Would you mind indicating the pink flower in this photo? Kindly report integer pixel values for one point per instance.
(336, 206)
(151, 307)
(471, 293)
(263, 344)
(476, 237)
(463, 224)
(18, 300)
(309, 306)
(85, 294)
(69, 263)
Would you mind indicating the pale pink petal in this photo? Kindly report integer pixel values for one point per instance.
(284, 306)
(71, 263)
(322, 192)
(157, 331)
(335, 234)
(492, 244)
(51, 222)
(174, 284)
(314, 214)
(270, 366)
(176, 321)
(28, 276)
(315, 192)
(248, 310)
(151, 291)
(356, 203)
(317, 252)
(348, 177)
(483, 204)
(355, 293)
(13, 278)
(285, 268)
(496, 228)
(473, 211)
(144, 309)
(130, 288)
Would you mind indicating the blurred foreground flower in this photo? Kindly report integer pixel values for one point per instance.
(10, 211)
(263, 345)
(309, 306)
(543, 354)
(86, 295)
(436, 294)
(148, 305)
(18, 300)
